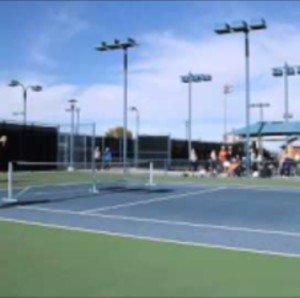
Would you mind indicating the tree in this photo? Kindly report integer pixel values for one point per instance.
(117, 132)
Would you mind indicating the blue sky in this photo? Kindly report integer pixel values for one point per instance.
(52, 43)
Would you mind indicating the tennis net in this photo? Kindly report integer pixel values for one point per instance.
(31, 182)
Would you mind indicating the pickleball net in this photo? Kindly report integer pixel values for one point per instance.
(34, 182)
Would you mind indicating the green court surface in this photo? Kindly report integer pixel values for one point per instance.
(42, 261)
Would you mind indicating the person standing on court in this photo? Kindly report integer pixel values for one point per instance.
(193, 159)
(213, 162)
(97, 157)
(107, 158)
(223, 157)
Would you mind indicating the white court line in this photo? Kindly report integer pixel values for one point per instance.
(125, 205)
(265, 188)
(170, 222)
(153, 239)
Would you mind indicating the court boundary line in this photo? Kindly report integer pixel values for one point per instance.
(154, 200)
(169, 222)
(152, 239)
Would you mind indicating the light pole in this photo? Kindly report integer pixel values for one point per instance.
(72, 111)
(189, 79)
(35, 88)
(286, 70)
(117, 45)
(260, 106)
(77, 120)
(186, 128)
(227, 90)
(136, 149)
(244, 27)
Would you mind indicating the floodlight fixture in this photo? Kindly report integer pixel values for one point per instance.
(132, 108)
(192, 78)
(228, 88)
(206, 78)
(131, 40)
(290, 71)
(277, 72)
(258, 24)
(118, 45)
(36, 88)
(244, 27)
(14, 83)
(102, 47)
(185, 79)
(196, 78)
(239, 26)
(285, 71)
(260, 105)
(222, 28)
(72, 101)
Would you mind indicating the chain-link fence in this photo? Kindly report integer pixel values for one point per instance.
(82, 149)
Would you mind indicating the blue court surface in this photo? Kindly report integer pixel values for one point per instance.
(260, 219)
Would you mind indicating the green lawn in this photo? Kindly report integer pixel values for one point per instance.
(40, 261)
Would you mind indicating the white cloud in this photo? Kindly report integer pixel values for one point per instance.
(60, 27)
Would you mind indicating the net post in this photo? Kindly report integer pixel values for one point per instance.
(9, 198)
(151, 174)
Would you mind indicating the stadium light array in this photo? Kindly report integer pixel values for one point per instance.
(244, 27)
(35, 88)
(117, 45)
(189, 79)
(285, 71)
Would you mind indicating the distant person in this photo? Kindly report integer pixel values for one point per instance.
(194, 160)
(253, 160)
(213, 161)
(107, 158)
(288, 163)
(97, 156)
(230, 155)
(3, 140)
(222, 155)
(234, 168)
(223, 158)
